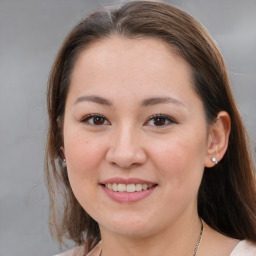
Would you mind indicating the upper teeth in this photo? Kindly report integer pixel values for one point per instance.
(127, 187)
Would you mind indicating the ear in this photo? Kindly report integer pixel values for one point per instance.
(218, 137)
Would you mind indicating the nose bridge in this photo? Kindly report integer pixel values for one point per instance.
(125, 135)
(126, 147)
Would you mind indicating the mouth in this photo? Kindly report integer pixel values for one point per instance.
(128, 188)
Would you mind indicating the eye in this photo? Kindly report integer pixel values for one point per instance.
(95, 119)
(160, 120)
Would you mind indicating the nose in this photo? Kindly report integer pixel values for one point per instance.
(126, 150)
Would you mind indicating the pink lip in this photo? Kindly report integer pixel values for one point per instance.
(127, 197)
(120, 180)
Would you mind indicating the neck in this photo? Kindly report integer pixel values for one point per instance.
(169, 241)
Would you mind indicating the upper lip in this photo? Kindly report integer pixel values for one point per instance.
(119, 180)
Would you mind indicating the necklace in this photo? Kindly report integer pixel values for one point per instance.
(198, 240)
(197, 244)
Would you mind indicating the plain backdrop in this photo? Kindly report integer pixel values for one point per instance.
(31, 32)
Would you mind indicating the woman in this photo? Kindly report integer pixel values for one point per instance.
(146, 147)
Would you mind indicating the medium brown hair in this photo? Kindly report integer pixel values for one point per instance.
(227, 196)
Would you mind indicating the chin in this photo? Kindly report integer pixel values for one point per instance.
(132, 232)
(134, 228)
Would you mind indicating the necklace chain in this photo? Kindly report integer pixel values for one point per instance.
(197, 244)
(199, 238)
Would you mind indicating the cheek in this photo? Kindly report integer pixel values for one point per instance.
(83, 154)
(181, 158)
(83, 157)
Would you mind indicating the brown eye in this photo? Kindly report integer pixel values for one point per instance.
(96, 120)
(160, 121)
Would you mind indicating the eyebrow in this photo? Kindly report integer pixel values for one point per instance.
(161, 100)
(95, 99)
(147, 102)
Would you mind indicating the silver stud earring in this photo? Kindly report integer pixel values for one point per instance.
(64, 162)
(62, 155)
(214, 159)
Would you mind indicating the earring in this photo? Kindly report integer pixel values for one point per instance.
(214, 159)
(62, 155)
(64, 164)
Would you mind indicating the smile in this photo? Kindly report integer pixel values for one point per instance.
(129, 188)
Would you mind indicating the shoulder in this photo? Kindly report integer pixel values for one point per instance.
(77, 251)
(244, 248)
(80, 251)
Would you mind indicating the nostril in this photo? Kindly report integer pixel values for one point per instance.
(126, 158)
(125, 166)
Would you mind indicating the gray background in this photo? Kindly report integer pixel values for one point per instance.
(31, 32)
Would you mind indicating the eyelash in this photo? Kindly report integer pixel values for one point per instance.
(91, 118)
(164, 118)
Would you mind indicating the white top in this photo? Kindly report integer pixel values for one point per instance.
(243, 248)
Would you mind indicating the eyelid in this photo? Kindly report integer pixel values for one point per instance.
(168, 118)
(91, 116)
(88, 117)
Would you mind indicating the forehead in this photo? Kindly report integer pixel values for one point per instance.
(121, 55)
(105, 49)
(144, 67)
(121, 43)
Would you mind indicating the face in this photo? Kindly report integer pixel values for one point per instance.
(135, 136)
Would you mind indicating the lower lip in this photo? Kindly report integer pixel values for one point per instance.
(128, 197)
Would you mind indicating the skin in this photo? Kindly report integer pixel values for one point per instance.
(128, 141)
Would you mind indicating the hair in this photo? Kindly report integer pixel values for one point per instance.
(227, 194)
